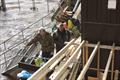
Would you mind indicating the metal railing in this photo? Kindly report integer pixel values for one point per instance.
(21, 38)
(10, 48)
(22, 33)
(4, 45)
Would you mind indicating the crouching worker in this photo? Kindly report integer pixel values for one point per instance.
(46, 41)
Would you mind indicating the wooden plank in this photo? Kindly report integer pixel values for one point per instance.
(28, 66)
(67, 53)
(62, 62)
(83, 72)
(86, 51)
(104, 46)
(108, 64)
(76, 66)
(65, 74)
(101, 75)
(102, 70)
(116, 77)
(39, 74)
(113, 59)
(65, 9)
(98, 64)
(83, 56)
(72, 71)
(92, 78)
(69, 61)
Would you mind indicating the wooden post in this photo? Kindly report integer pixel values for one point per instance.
(39, 74)
(75, 69)
(3, 5)
(69, 61)
(108, 63)
(83, 55)
(86, 51)
(83, 72)
(65, 74)
(112, 67)
(116, 75)
(98, 64)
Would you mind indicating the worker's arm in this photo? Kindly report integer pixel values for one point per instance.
(55, 37)
(51, 42)
(33, 41)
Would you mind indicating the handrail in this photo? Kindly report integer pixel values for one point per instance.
(18, 44)
(26, 27)
(22, 31)
(29, 36)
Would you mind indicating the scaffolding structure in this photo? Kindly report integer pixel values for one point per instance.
(74, 62)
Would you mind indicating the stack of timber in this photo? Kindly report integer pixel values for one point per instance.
(75, 62)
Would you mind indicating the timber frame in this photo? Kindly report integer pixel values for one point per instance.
(78, 55)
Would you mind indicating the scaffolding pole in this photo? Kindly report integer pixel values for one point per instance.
(48, 6)
(3, 5)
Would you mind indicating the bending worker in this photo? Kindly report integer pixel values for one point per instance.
(46, 41)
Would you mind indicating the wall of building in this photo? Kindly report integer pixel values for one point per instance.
(99, 22)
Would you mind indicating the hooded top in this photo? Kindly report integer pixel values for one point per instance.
(47, 43)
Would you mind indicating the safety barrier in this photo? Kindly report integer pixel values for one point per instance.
(19, 40)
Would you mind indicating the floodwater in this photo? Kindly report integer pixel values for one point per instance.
(19, 15)
(16, 19)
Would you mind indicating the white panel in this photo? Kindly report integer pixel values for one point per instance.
(112, 4)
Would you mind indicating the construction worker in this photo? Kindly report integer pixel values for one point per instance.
(60, 36)
(46, 41)
(70, 4)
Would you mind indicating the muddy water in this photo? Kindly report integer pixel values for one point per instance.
(19, 16)
(16, 19)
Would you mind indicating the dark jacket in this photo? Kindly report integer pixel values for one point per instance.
(60, 38)
(47, 43)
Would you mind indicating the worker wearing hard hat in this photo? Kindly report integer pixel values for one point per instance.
(46, 41)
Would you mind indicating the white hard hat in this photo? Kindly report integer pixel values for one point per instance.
(41, 28)
(59, 25)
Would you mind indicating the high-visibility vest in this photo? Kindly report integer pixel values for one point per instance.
(70, 24)
(38, 61)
